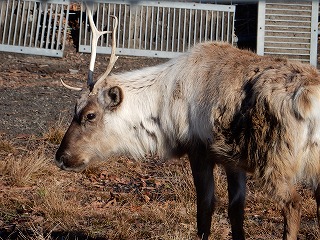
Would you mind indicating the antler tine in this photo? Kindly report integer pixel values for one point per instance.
(95, 36)
(70, 87)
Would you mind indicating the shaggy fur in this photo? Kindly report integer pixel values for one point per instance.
(259, 114)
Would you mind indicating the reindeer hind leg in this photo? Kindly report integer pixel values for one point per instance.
(317, 197)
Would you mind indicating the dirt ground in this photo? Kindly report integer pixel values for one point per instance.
(31, 95)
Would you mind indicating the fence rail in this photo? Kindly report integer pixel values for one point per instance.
(158, 29)
(33, 27)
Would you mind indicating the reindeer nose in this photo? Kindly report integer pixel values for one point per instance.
(69, 162)
(64, 162)
(61, 159)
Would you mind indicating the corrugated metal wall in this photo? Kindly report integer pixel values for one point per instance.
(288, 29)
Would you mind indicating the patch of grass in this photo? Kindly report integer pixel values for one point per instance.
(7, 147)
(51, 201)
(54, 135)
(21, 170)
(125, 199)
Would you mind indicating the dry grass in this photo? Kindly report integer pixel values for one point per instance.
(23, 169)
(120, 199)
(6, 147)
(55, 133)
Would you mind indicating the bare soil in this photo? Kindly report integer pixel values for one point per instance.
(31, 95)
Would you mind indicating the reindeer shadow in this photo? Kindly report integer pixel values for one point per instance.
(57, 235)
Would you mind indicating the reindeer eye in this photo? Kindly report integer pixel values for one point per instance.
(91, 116)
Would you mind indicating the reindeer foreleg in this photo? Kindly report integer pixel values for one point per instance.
(202, 171)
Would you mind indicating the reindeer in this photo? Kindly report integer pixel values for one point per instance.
(217, 104)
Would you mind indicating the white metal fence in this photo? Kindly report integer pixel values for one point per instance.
(33, 27)
(158, 29)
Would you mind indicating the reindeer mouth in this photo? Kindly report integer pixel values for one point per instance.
(65, 163)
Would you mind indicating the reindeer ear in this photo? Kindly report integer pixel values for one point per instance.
(112, 98)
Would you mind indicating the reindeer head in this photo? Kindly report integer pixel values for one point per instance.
(81, 141)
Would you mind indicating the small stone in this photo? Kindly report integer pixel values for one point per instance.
(73, 71)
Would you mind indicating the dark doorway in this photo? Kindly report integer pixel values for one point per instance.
(246, 20)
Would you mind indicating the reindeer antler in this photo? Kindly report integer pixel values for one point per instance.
(94, 43)
(113, 58)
